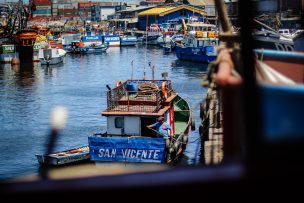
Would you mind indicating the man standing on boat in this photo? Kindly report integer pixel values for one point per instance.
(162, 129)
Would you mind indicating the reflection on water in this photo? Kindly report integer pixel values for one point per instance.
(28, 93)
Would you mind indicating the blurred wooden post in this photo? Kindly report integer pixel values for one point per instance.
(230, 95)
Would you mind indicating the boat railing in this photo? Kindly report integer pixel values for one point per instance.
(130, 96)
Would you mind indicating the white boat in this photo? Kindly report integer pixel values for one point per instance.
(7, 53)
(51, 56)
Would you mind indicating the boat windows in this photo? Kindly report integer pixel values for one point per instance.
(200, 43)
(119, 122)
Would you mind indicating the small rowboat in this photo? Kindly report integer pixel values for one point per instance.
(65, 157)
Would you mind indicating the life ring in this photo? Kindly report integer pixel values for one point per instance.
(118, 83)
(164, 89)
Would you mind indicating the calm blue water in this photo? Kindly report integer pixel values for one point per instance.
(27, 94)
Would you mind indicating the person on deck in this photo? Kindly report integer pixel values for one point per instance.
(162, 129)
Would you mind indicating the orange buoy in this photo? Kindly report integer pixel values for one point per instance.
(15, 61)
(118, 83)
(164, 89)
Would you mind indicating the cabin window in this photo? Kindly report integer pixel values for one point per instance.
(200, 43)
(119, 122)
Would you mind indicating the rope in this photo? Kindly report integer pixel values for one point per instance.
(148, 87)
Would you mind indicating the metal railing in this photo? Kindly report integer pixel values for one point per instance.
(130, 97)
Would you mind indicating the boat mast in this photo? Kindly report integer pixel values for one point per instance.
(132, 70)
(146, 48)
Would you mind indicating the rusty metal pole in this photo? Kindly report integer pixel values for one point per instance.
(230, 95)
(223, 16)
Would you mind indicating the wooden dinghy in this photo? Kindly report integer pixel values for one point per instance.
(65, 157)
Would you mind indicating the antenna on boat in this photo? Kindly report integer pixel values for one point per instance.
(132, 70)
(146, 48)
(152, 70)
(58, 119)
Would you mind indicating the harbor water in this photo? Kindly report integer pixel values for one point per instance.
(28, 93)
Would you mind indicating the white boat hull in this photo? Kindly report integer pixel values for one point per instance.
(52, 61)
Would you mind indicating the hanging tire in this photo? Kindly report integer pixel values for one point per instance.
(202, 111)
(185, 140)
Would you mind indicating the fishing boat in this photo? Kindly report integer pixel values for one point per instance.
(199, 44)
(8, 52)
(89, 44)
(51, 56)
(80, 48)
(282, 92)
(69, 156)
(128, 40)
(133, 105)
(168, 47)
(268, 39)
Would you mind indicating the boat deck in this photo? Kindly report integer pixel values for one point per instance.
(140, 97)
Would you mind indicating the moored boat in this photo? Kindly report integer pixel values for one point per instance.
(73, 155)
(8, 52)
(51, 56)
(128, 40)
(112, 40)
(199, 44)
(267, 39)
(89, 44)
(132, 106)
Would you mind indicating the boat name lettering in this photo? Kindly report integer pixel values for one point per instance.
(195, 51)
(92, 38)
(130, 153)
(39, 46)
(112, 39)
(107, 153)
(8, 48)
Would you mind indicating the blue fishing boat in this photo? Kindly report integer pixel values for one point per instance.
(200, 43)
(128, 40)
(112, 40)
(89, 44)
(132, 106)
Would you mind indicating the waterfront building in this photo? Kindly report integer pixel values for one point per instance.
(163, 14)
(128, 17)
(43, 8)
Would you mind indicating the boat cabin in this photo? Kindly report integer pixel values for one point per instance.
(134, 104)
(201, 34)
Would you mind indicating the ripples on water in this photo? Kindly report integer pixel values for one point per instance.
(27, 95)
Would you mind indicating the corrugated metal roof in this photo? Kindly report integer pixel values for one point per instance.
(161, 11)
(197, 2)
(209, 2)
(156, 11)
(136, 9)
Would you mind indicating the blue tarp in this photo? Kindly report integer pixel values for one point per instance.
(127, 149)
